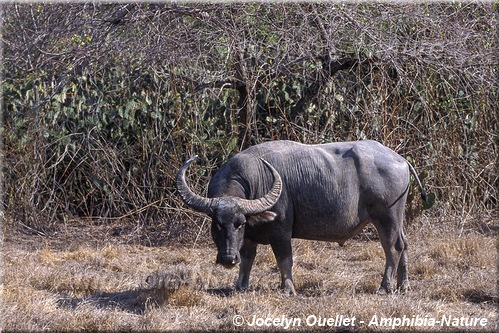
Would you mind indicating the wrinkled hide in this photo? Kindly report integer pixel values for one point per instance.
(329, 192)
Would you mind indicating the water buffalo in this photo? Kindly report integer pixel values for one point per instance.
(325, 192)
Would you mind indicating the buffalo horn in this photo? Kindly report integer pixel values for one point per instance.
(204, 205)
(268, 200)
(193, 200)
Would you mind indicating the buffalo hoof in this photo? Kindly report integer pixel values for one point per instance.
(288, 288)
(404, 287)
(401, 290)
(383, 291)
(242, 289)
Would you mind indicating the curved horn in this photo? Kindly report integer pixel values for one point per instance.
(193, 200)
(268, 200)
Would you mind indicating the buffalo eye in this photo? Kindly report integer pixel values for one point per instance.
(239, 225)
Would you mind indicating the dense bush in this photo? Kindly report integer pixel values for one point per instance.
(102, 103)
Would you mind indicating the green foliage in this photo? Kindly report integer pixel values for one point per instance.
(102, 142)
(430, 201)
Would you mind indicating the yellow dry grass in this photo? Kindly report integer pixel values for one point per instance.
(113, 286)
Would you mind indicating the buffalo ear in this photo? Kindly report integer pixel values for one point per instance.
(262, 217)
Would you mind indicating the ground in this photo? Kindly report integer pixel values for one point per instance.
(70, 281)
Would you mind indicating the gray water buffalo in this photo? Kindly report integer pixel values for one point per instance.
(278, 190)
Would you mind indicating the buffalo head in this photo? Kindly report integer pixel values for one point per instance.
(230, 214)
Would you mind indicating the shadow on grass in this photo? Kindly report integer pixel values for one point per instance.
(137, 301)
(182, 287)
(481, 296)
(134, 301)
(488, 230)
(221, 292)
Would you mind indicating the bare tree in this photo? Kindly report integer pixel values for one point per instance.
(101, 99)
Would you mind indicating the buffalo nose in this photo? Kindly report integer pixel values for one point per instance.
(228, 260)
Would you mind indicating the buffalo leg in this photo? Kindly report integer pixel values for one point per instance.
(284, 257)
(247, 253)
(402, 278)
(394, 245)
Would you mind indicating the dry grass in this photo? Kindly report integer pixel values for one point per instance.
(113, 286)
